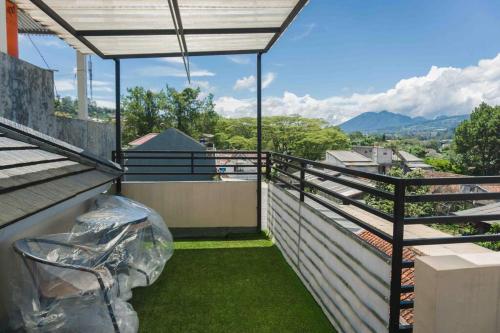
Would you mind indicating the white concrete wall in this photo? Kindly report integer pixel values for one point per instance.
(199, 204)
(348, 278)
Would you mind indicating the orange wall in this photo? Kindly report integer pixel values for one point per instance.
(12, 43)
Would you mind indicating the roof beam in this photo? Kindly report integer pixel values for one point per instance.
(179, 54)
(298, 7)
(65, 25)
(150, 32)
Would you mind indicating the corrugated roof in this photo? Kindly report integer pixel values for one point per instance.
(351, 158)
(142, 139)
(36, 174)
(407, 274)
(27, 25)
(490, 209)
(407, 157)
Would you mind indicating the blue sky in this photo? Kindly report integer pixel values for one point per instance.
(337, 59)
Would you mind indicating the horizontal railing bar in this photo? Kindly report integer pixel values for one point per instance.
(451, 240)
(191, 151)
(357, 186)
(452, 197)
(352, 202)
(451, 219)
(406, 305)
(341, 197)
(189, 165)
(406, 328)
(187, 173)
(453, 180)
(408, 264)
(363, 174)
(184, 158)
(291, 165)
(340, 212)
(408, 288)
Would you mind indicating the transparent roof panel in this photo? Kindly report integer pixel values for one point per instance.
(126, 27)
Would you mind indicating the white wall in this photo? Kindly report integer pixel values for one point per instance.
(348, 278)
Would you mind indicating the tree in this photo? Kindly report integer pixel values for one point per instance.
(477, 141)
(411, 209)
(143, 113)
(314, 144)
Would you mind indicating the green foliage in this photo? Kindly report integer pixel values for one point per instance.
(468, 229)
(146, 111)
(411, 209)
(441, 164)
(68, 107)
(477, 141)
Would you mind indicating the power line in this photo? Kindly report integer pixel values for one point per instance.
(45, 61)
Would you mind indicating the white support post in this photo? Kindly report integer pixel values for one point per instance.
(3, 26)
(81, 76)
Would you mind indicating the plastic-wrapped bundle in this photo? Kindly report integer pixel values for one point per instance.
(67, 286)
(147, 244)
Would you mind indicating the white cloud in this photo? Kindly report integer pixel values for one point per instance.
(442, 91)
(105, 103)
(239, 59)
(250, 82)
(308, 28)
(174, 60)
(102, 86)
(65, 85)
(205, 86)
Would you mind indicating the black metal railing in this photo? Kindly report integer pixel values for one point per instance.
(292, 172)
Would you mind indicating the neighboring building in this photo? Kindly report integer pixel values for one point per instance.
(489, 209)
(142, 139)
(237, 163)
(169, 140)
(411, 162)
(380, 155)
(351, 160)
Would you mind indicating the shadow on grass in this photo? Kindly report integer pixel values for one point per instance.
(237, 284)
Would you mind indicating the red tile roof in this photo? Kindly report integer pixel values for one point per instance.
(143, 139)
(407, 274)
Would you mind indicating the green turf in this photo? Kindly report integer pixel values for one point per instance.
(236, 285)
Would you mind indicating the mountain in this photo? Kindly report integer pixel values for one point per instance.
(389, 122)
(374, 121)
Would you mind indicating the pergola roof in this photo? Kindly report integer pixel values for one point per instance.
(161, 28)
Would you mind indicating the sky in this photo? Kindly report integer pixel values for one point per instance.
(339, 58)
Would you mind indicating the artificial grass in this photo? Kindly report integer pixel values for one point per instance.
(232, 285)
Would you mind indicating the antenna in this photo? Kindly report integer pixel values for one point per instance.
(90, 77)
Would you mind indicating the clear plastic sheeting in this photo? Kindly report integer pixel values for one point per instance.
(80, 281)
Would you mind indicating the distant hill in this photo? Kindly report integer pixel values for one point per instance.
(373, 121)
(389, 122)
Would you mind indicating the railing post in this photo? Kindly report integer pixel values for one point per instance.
(397, 256)
(302, 179)
(268, 165)
(192, 163)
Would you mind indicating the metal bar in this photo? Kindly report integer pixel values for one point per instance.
(176, 18)
(259, 141)
(451, 219)
(192, 162)
(286, 23)
(118, 128)
(453, 197)
(189, 173)
(363, 174)
(408, 264)
(18, 148)
(66, 26)
(405, 305)
(302, 179)
(453, 180)
(452, 240)
(189, 165)
(357, 186)
(397, 257)
(407, 289)
(179, 54)
(214, 152)
(127, 157)
(268, 165)
(405, 328)
(152, 32)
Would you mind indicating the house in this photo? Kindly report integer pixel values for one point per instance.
(411, 162)
(351, 160)
(169, 140)
(382, 156)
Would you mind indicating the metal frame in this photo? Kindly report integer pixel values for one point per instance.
(82, 34)
(279, 173)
